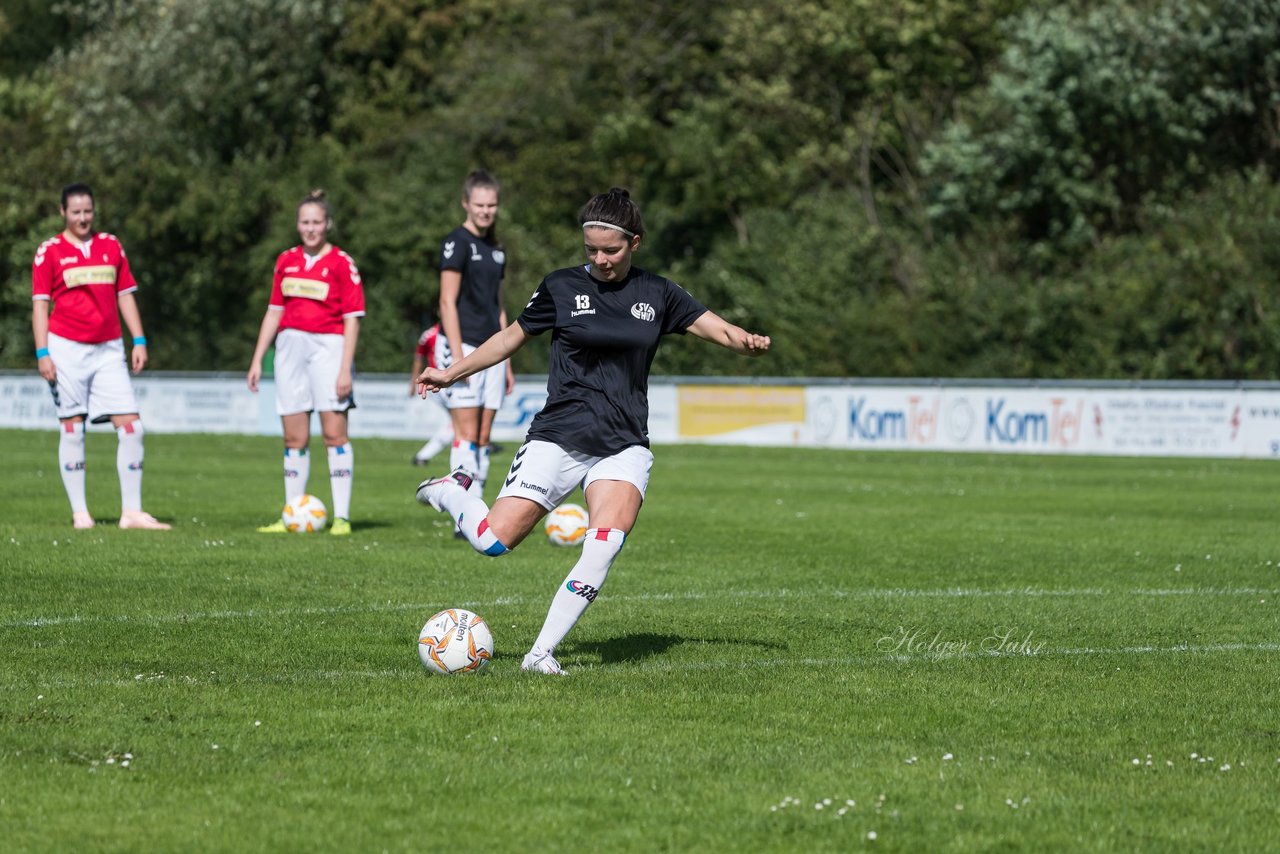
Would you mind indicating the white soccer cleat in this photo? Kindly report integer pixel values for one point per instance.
(139, 520)
(431, 491)
(542, 663)
(81, 521)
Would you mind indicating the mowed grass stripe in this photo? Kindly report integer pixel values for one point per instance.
(423, 607)
(761, 664)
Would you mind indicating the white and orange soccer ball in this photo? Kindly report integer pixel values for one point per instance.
(304, 514)
(455, 641)
(566, 525)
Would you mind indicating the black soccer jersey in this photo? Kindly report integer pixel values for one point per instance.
(482, 265)
(603, 339)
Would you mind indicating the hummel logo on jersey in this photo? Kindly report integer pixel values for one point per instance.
(582, 305)
(448, 249)
(586, 591)
(475, 253)
(643, 311)
(67, 261)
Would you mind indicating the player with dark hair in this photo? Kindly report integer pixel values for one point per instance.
(313, 316)
(472, 267)
(81, 286)
(606, 319)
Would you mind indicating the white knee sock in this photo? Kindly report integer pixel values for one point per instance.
(463, 456)
(297, 468)
(71, 463)
(580, 587)
(482, 469)
(437, 443)
(342, 466)
(472, 516)
(129, 466)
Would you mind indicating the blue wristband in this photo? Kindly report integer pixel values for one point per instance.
(139, 341)
(42, 352)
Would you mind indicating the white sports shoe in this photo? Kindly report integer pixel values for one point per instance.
(140, 520)
(431, 491)
(543, 663)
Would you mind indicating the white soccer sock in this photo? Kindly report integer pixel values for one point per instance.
(472, 517)
(482, 469)
(129, 466)
(463, 456)
(580, 586)
(297, 468)
(71, 463)
(437, 443)
(342, 466)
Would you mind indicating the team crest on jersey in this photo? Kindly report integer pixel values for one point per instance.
(643, 311)
(499, 257)
(448, 249)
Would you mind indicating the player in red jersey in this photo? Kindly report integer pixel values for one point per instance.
(424, 354)
(81, 284)
(317, 300)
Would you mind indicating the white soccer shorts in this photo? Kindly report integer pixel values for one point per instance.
(545, 473)
(484, 390)
(93, 379)
(306, 369)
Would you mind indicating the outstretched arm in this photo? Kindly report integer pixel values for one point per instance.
(502, 345)
(714, 328)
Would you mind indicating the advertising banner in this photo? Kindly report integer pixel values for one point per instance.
(1203, 420)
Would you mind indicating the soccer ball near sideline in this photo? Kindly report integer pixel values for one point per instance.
(566, 525)
(305, 514)
(455, 641)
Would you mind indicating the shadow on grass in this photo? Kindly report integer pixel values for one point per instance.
(637, 647)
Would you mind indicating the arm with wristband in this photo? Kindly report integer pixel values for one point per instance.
(40, 331)
(133, 320)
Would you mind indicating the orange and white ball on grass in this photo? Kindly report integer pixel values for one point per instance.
(455, 641)
(305, 514)
(566, 525)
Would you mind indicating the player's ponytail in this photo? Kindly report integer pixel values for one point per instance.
(614, 209)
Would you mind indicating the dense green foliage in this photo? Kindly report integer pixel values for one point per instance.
(922, 188)
(751, 655)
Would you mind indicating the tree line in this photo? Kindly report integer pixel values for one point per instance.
(1012, 188)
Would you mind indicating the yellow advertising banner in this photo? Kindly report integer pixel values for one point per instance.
(711, 410)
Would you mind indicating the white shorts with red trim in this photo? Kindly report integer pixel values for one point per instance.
(306, 369)
(93, 379)
(546, 473)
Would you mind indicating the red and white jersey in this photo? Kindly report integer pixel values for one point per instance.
(82, 286)
(426, 348)
(317, 299)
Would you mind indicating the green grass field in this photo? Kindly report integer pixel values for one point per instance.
(798, 650)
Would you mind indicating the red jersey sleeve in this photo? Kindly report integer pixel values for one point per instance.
(277, 293)
(352, 299)
(42, 273)
(125, 283)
